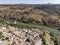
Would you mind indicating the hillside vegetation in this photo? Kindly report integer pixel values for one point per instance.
(40, 14)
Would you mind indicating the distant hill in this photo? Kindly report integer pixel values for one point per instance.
(47, 14)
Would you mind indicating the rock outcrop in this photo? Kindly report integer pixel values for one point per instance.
(19, 36)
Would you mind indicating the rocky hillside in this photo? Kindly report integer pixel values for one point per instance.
(23, 24)
(18, 36)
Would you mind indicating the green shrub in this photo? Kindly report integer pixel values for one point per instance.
(44, 41)
(54, 38)
(1, 35)
(52, 34)
(43, 38)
